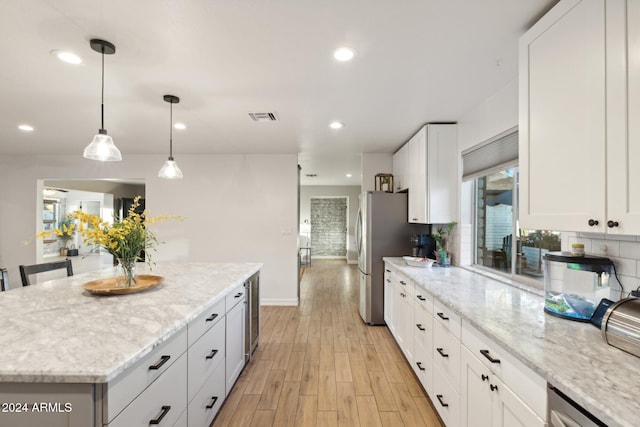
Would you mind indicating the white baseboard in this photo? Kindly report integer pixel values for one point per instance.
(352, 261)
(286, 302)
(327, 257)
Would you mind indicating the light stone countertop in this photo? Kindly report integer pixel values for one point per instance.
(569, 355)
(56, 332)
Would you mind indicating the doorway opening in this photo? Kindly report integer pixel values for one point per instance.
(328, 227)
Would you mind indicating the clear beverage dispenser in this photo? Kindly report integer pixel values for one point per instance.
(574, 285)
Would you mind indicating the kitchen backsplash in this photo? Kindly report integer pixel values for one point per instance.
(624, 251)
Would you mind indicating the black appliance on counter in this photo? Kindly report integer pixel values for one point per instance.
(424, 246)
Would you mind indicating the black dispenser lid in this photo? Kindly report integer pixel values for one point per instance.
(568, 258)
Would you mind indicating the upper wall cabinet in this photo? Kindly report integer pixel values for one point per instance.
(401, 168)
(575, 150)
(433, 174)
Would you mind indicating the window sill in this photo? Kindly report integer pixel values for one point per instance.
(507, 280)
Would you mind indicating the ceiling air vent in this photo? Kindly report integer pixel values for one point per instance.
(263, 117)
(311, 175)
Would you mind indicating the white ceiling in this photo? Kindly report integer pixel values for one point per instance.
(417, 61)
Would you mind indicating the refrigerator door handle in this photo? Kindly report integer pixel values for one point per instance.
(359, 232)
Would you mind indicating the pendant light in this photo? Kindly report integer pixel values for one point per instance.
(102, 147)
(170, 169)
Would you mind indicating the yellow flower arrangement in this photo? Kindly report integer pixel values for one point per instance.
(125, 238)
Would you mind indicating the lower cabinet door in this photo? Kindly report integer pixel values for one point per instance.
(206, 404)
(423, 367)
(182, 421)
(235, 344)
(445, 399)
(475, 392)
(162, 403)
(510, 411)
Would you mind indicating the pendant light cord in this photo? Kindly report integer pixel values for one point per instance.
(102, 94)
(171, 130)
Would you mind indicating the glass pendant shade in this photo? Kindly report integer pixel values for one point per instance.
(102, 148)
(170, 170)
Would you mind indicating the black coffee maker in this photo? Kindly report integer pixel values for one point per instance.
(424, 246)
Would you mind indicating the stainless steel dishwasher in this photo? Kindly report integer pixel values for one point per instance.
(252, 319)
(564, 412)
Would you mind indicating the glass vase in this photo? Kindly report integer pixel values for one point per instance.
(126, 273)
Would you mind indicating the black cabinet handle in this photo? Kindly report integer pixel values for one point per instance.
(486, 354)
(402, 282)
(612, 224)
(419, 326)
(213, 353)
(421, 298)
(593, 222)
(493, 387)
(212, 317)
(442, 316)
(239, 294)
(388, 271)
(420, 366)
(439, 396)
(442, 353)
(389, 280)
(164, 411)
(162, 361)
(484, 377)
(214, 399)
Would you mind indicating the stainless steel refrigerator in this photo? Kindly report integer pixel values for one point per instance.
(381, 230)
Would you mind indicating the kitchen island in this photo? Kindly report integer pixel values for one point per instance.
(569, 355)
(70, 358)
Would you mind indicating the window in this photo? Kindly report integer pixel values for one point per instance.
(496, 210)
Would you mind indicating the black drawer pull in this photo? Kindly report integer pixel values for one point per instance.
(165, 411)
(493, 387)
(210, 318)
(484, 377)
(420, 366)
(439, 396)
(213, 353)
(419, 326)
(162, 361)
(421, 298)
(389, 280)
(388, 271)
(442, 316)
(486, 354)
(239, 294)
(442, 353)
(402, 282)
(214, 399)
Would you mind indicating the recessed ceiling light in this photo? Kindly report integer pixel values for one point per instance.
(336, 125)
(349, 175)
(344, 54)
(68, 57)
(180, 126)
(26, 128)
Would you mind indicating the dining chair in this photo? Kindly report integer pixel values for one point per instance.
(4, 279)
(27, 270)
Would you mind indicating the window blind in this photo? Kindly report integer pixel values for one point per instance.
(491, 156)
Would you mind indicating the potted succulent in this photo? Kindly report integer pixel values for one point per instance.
(441, 235)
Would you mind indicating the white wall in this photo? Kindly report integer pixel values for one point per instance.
(352, 193)
(372, 164)
(236, 208)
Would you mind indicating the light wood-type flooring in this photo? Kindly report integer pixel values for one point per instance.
(319, 364)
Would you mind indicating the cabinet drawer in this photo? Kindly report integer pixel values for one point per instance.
(405, 285)
(423, 327)
(165, 399)
(235, 296)
(124, 388)
(204, 356)
(523, 381)
(423, 366)
(206, 320)
(446, 354)
(423, 298)
(447, 318)
(182, 421)
(206, 404)
(445, 399)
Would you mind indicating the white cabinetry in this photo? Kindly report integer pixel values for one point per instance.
(433, 174)
(577, 149)
(497, 390)
(389, 300)
(235, 336)
(401, 169)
